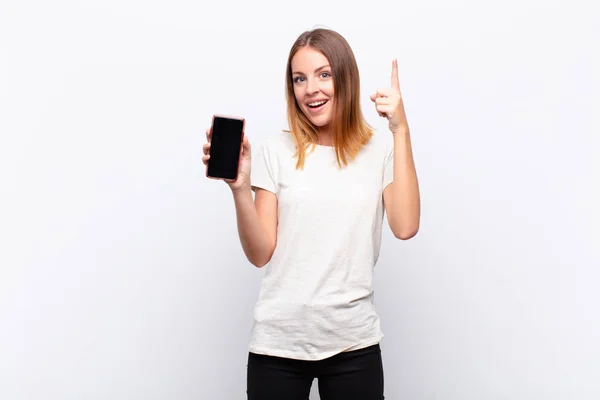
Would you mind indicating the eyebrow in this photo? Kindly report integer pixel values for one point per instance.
(316, 70)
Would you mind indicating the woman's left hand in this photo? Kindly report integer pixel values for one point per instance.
(388, 102)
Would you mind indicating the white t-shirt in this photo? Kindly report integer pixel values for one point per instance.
(316, 298)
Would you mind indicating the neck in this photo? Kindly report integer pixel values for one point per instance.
(324, 137)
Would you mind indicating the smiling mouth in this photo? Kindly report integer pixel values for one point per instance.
(317, 104)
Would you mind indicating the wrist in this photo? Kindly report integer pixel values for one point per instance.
(241, 190)
(402, 131)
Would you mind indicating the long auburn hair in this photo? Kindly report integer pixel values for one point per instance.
(349, 129)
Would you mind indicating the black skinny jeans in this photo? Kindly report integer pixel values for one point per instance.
(353, 375)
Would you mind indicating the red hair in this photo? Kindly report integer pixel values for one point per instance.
(349, 129)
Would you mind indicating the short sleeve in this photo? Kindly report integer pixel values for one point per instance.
(264, 172)
(388, 166)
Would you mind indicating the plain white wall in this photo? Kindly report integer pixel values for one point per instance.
(121, 272)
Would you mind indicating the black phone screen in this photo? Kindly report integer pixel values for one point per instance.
(225, 147)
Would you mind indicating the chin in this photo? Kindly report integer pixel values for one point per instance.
(320, 121)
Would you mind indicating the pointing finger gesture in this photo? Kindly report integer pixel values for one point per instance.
(388, 102)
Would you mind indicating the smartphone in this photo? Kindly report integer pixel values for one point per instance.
(227, 134)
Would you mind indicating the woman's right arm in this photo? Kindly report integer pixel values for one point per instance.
(256, 219)
(257, 223)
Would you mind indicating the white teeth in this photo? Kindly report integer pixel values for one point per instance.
(317, 104)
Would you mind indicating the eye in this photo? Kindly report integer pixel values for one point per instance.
(325, 75)
(298, 79)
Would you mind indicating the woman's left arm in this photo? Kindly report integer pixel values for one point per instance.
(401, 198)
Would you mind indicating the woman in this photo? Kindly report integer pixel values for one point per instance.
(321, 191)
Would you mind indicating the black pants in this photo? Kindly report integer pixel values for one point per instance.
(353, 375)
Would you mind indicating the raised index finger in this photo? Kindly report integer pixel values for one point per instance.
(395, 79)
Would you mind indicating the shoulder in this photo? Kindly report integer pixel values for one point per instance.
(279, 144)
(274, 152)
(380, 145)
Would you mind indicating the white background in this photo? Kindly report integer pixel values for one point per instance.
(121, 273)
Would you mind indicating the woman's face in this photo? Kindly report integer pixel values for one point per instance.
(313, 86)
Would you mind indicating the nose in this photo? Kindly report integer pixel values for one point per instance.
(312, 86)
